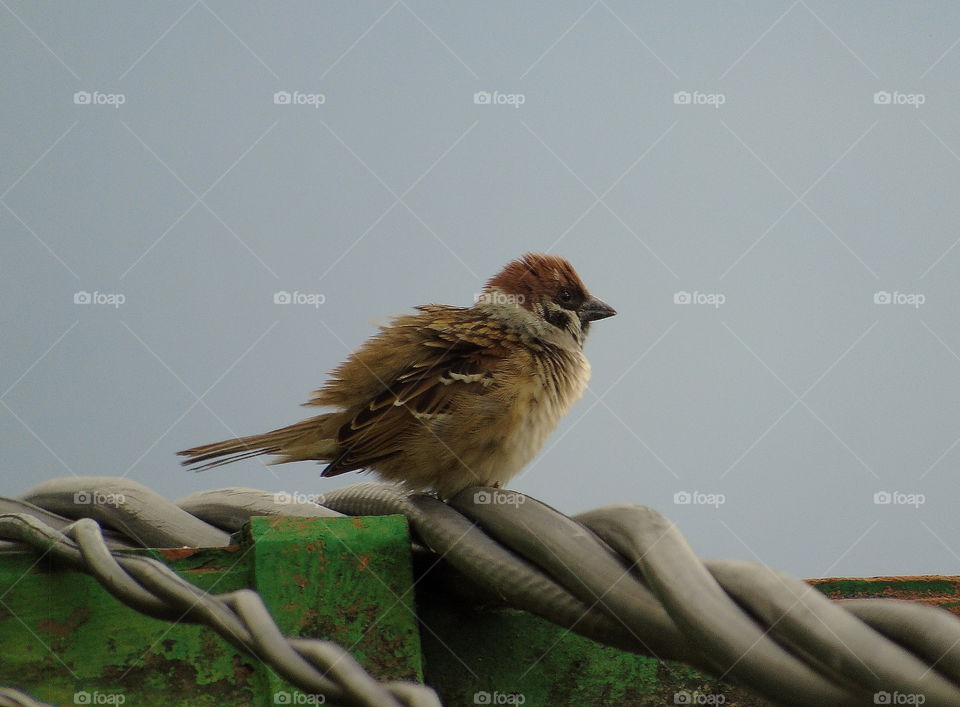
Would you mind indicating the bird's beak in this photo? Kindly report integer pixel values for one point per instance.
(594, 309)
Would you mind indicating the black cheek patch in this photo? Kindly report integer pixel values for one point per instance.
(558, 318)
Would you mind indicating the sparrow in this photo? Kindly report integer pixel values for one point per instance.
(449, 397)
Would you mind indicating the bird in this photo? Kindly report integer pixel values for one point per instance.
(449, 397)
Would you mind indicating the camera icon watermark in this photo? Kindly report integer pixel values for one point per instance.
(898, 698)
(495, 497)
(96, 98)
(699, 498)
(898, 498)
(83, 697)
(698, 98)
(113, 299)
(695, 697)
(896, 98)
(712, 299)
(911, 299)
(495, 98)
(314, 299)
(500, 298)
(498, 698)
(98, 498)
(284, 697)
(299, 98)
(285, 498)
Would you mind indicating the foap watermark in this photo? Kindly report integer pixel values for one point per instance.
(285, 498)
(695, 697)
(699, 98)
(898, 498)
(299, 98)
(498, 698)
(96, 98)
(699, 498)
(98, 498)
(284, 697)
(498, 298)
(98, 698)
(911, 299)
(113, 299)
(493, 497)
(713, 299)
(495, 98)
(896, 98)
(898, 698)
(314, 299)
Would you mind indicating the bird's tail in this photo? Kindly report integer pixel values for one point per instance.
(303, 440)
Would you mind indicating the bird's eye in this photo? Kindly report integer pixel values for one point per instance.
(564, 295)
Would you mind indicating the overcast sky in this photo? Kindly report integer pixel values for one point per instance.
(766, 192)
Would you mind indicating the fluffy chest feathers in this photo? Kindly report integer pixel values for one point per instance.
(556, 381)
(531, 389)
(493, 433)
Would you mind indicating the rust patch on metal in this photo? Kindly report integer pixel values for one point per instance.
(941, 591)
(64, 629)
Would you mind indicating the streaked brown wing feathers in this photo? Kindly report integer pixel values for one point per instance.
(420, 393)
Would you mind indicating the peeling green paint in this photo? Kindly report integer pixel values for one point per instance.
(349, 583)
(62, 633)
(348, 580)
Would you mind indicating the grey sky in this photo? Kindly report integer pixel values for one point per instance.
(783, 163)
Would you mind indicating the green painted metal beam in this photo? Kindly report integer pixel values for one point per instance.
(348, 580)
(343, 579)
(481, 656)
(510, 657)
(63, 636)
(351, 583)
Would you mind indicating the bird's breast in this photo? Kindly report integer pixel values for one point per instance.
(538, 398)
(559, 380)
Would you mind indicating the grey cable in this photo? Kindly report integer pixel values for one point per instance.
(230, 508)
(494, 568)
(622, 575)
(240, 617)
(131, 508)
(15, 698)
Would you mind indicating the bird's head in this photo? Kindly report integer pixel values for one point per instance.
(548, 287)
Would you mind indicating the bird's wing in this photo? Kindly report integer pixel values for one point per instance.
(445, 350)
